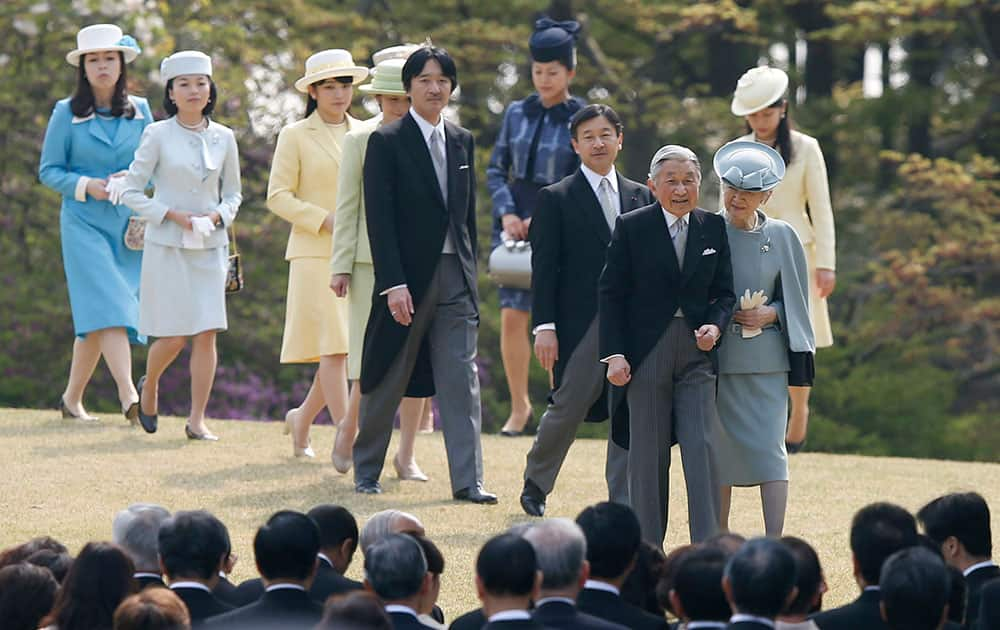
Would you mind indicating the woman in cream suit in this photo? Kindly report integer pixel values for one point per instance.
(302, 190)
(760, 99)
(351, 263)
(194, 165)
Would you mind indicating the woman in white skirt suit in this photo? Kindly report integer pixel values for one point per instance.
(194, 165)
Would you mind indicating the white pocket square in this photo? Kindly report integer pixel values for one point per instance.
(708, 252)
(462, 167)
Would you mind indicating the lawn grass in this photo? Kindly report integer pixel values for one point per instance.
(68, 481)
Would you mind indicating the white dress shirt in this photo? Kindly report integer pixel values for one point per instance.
(509, 615)
(601, 586)
(738, 617)
(399, 608)
(977, 566)
(285, 587)
(197, 585)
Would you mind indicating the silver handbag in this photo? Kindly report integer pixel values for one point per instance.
(510, 264)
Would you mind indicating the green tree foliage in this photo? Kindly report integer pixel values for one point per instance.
(914, 171)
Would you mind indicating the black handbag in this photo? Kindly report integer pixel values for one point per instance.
(234, 275)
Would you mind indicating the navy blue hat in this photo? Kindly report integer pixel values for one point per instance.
(554, 41)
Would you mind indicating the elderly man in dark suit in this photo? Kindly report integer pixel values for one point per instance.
(135, 530)
(396, 571)
(420, 194)
(285, 549)
(666, 294)
(570, 230)
(193, 547)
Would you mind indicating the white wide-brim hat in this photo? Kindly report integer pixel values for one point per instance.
(757, 89)
(387, 78)
(98, 37)
(402, 51)
(327, 64)
(747, 165)
(185, 62)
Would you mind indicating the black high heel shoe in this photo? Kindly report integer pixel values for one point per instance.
(148, 421)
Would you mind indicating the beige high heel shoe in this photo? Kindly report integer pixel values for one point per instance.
(341, 463)
(289, 428)
(411, 472)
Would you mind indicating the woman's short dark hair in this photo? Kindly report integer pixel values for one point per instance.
(20, 553)
(26, 595)
(82, 101)
(415, 65)
(593, 111)
(171, 108)
(56, 562)
(100, 578)
(311, 103)
(784, 139)
(152, 609)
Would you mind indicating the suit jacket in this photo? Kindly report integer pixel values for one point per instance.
(642, 286)
(225, 591)
(861, 614)
(201, 604)
(284, 609)
(989, 606)
(974, 583)
(143, 583)
(408, 223)
(302, 187)
(569, 236)
(514, 624)
(611, 607)
(326, 583)
(350, 231)
(563, 615)
(748, 625)
(405, 621)
(472, 620)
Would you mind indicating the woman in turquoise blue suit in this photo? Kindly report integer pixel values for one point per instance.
(91, 137)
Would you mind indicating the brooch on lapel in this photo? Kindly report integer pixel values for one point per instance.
(766, 247)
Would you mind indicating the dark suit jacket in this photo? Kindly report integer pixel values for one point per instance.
(748, 625)
(472, 620)
(514, 624)
(284, 609)
(611, 607)
(226, 592)
(326, 583)
(148, 582)
(861, 614)
(405, 621)
(642, 286)
(407, 223)
(974, 583)
(989, 607)
(201, 604)
(566, 616)
(569, 236)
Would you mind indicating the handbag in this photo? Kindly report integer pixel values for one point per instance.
(510, 264)
(135, 233)
(234, 274)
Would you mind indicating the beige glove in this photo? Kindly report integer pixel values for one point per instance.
(749, 302)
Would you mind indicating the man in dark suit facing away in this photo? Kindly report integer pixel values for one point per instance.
(666, 294)
(877, 531)
(570, 230)
(759, 582)
(396, 571)
(612, 533)
(420, 194)
(285, 549)
(507, 581)
(914, 586)
(193, 549)
(135, 530)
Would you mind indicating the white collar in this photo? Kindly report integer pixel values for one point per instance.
(285, 586)
(594, 178)
(400, 608)
(547, 600)
(509, 615)
(738, 617)
(977, 566)
(673, 218)
(196, 585)
(601, 586)
(426, 127)
(871, 588)
(143, 574)
(325, 558)
(704, 625)
(92, 115)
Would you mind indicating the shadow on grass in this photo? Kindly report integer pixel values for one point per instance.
(249, 472)
(135, 443)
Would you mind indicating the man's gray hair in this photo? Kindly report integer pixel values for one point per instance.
(395, 567)
(136, 530)
(380, 525)
(560, 549)
(673, 152)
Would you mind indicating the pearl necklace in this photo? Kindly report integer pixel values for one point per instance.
(195, 127)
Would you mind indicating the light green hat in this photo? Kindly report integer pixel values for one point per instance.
(387, 78)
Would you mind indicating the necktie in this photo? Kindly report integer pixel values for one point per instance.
(440, 162)
(680, 240)
(606, 198)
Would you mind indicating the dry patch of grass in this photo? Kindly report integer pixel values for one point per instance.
(68, 481)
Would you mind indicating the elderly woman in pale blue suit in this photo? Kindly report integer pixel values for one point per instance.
(193, 163)
(770, 344)
(91, 137)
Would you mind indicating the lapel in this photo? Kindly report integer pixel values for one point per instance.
(319, 135)
(95, 129)
(414, 141)
(695, 242)
(455, 157)
(589, 206)
(126, 129)
(663, 245)
(628, 194)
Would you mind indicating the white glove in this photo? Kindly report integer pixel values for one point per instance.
(203, 226)
(749, 302)
(115, 188)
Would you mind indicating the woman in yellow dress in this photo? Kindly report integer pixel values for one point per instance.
(801, 199)
(302, 189)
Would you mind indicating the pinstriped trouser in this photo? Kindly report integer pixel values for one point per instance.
(672, 392)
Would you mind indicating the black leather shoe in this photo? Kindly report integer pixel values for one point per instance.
(148, 421)
(475, 495)
(367, 486)
(532, 499)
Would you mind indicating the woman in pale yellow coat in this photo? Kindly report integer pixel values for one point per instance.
(351, 266)
(302, 190)
(760, 99)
